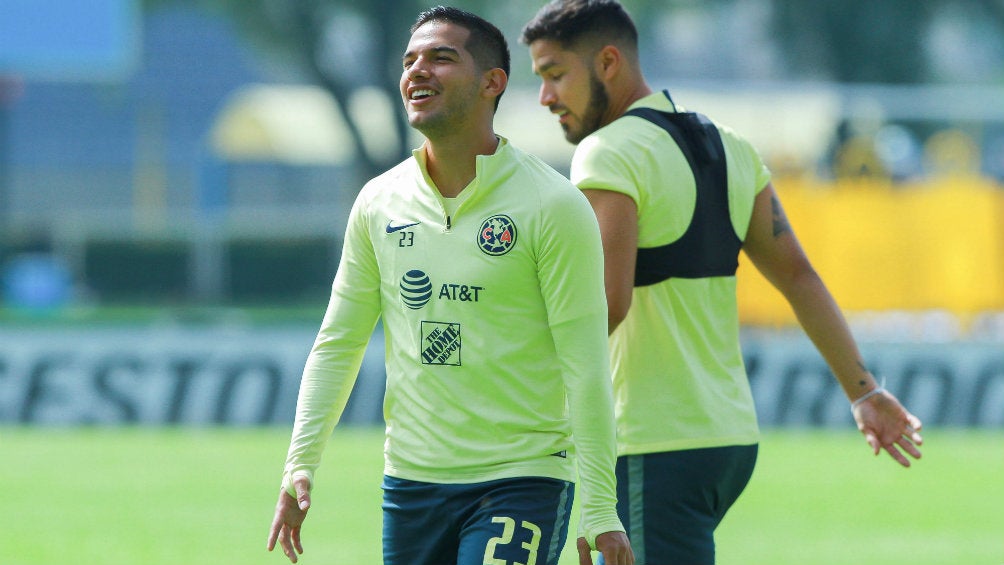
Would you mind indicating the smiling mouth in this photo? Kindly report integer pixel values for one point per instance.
(421, 94)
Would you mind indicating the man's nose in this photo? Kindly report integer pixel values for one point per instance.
(546, 96)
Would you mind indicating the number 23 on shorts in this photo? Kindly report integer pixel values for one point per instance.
(508, 533)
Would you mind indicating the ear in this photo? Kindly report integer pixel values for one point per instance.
(608, 62)
(494, 82)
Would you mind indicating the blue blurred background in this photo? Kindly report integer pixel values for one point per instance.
(175, 178)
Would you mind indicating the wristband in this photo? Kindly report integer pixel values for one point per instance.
(877, 390)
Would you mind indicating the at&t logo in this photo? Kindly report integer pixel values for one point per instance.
(416, 289)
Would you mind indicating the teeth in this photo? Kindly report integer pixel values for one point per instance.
(422, 93)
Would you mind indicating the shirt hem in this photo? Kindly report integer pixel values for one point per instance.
(563, 472)
(689, 443)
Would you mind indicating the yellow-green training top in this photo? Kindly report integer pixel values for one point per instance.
(495, 321)
(679, 379)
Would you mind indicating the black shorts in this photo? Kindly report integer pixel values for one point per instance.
(520, 520)
(671, 502)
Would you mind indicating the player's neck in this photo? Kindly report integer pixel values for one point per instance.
(452, 162)
(622, 98)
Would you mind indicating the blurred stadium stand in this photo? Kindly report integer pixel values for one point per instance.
(205, 178)
(131, 186)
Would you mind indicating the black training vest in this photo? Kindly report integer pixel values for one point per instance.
(710, 246)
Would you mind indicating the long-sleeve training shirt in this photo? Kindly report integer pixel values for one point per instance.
(495, 321)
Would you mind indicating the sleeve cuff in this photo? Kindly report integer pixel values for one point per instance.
(288, 478)
(590, 534)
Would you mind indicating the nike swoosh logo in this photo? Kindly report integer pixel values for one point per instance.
(391, 228)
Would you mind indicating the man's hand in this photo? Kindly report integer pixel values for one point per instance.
(289, 515)
(614, 546)
(886, 425)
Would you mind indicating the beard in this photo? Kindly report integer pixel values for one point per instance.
(592, 116)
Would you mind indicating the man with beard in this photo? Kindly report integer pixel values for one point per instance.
(678, 197)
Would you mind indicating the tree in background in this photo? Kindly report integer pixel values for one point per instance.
(347, 45)
(341, 46)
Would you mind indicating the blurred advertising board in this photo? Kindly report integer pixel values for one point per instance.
(195, 376)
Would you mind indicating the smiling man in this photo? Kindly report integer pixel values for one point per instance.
(486, 267)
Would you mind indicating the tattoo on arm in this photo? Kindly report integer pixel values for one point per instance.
(861, 366)
(780, 220)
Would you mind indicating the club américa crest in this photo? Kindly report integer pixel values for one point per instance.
(497, 235)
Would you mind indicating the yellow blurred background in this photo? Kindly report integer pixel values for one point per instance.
(935, 244)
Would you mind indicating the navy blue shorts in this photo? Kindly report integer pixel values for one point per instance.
(671, 502)
(521, 520)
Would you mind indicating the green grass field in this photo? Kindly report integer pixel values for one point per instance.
(167, 497)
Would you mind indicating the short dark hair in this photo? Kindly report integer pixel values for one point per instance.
(486, 43)
(569, 22)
